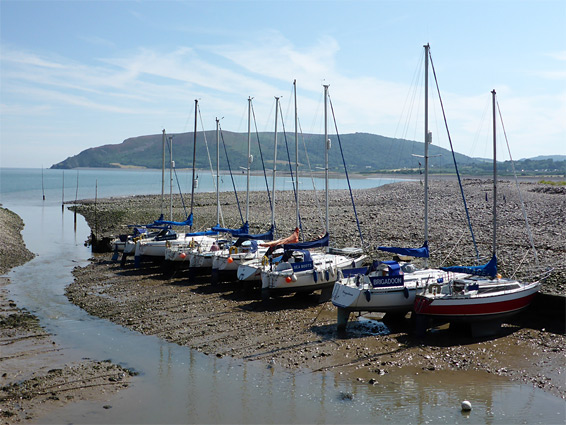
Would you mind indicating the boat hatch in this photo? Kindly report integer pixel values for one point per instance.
(408, 268)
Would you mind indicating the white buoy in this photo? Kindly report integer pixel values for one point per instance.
(466, 406)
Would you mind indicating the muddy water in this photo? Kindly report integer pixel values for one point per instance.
(179, 385)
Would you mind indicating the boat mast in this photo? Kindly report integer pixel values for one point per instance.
(296, 156)
(326, 147)
(194, 160)
(249, 160)
(274, 165)
(42, 187)
(63, 192)
(163, 174)
(77, 189)
(171, 166)
(427, 140)
(217, 171)
(494, 175)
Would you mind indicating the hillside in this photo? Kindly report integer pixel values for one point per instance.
(363, 153)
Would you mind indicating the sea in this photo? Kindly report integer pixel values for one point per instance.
(179, 385)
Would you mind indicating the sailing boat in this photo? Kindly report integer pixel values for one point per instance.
(150, 230)
(247, 247)
(155, 248)
(300, 269)
(200, 242)
(390, 286)
(198, 253)
(250, 270)
(482, 298)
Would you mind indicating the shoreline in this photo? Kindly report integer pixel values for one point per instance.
(35, 379)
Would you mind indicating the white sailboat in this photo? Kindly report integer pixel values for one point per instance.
(125, 243)
(198, 252)
(247, 247)
(155, 248)
(300, 269)
(482, 298)
(250, 270)
(390, 286)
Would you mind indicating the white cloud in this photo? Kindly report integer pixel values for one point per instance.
(154, 88)
(560, 56)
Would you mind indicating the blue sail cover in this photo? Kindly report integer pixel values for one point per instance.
(242, 239)
(268, 236)
(308, 245)
(234, 232)
(421, 252)
(187, 222)
(488, 269)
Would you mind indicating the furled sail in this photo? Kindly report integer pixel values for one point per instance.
(421, 252)
(204, 233)
(308, 245)
(294, 238)
(488, 269)
(262, 236)
(234, 232)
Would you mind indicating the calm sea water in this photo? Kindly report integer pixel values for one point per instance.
(179, 385)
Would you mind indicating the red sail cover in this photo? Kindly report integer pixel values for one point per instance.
(294, 238)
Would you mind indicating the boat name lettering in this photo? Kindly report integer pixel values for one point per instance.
(386, 281)
(304, 265)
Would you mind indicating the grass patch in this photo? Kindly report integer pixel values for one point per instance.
(553, 183)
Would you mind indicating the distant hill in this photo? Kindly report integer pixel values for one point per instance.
(363, 153)
(555, 158)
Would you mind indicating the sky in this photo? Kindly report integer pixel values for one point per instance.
(78, 74)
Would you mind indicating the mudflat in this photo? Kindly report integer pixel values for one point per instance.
(34, 378)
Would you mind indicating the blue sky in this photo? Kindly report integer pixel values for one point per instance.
(78, 74)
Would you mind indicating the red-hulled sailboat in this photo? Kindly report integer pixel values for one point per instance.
(482, 298)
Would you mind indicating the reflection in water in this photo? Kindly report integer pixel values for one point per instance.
(179, 385)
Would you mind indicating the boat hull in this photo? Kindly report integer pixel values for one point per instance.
(399, 299)
(357, 293)
(250, 271)
(475, 308)
(322, 276)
